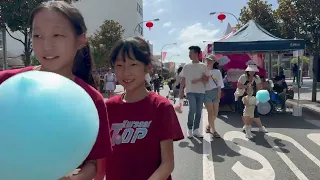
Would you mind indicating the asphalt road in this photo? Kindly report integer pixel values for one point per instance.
(290, 151)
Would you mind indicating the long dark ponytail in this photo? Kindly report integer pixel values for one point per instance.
(83, 62)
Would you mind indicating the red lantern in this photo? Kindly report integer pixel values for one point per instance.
(149, 25)
(221, 17)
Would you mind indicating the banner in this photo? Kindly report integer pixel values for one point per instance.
(171, 65)
(163, 56)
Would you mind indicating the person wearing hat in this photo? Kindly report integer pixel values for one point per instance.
(251, 78)
(213, 93)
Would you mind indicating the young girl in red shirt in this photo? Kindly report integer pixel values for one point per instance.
(143, 124)
(60, 44)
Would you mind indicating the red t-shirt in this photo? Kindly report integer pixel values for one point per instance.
(137, 129)
(102, 147)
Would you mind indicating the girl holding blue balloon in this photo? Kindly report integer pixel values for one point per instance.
(143, 124)
(249, 102)
(60, 44)
(250, 78)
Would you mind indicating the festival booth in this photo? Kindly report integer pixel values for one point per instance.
(246, 45)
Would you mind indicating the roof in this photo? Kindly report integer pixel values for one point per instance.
(253, 38)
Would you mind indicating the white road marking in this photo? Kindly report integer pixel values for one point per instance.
(315, 137)
(290, 164)
(265, 173)
(207, 163)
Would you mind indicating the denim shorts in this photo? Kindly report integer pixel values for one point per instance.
(211, 96)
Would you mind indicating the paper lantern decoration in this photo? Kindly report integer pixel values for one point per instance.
(221, 17)
(149, 25)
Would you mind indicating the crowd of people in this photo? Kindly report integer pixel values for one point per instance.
(137, 127)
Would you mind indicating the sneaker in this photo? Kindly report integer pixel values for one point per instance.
(244, 128)
(189, 133)
(263, 129)
(248, 132)
(197, 133)
(249, 136)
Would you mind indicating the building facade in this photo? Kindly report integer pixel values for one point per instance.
(129, 13)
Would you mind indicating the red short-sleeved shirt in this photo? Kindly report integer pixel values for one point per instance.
(102, 147)
(137, 129)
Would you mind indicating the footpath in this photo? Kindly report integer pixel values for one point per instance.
(308, 107)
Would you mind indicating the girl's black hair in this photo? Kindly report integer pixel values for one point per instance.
(215, 65)
(134, 48)
(248, 74)
(83, 62)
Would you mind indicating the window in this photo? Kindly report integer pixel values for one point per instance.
(139, 9)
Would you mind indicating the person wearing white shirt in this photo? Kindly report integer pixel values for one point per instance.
(194, 76)
(213, 93)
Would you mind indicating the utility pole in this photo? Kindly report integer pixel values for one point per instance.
(4, 48)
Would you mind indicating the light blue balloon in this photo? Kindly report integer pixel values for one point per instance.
(263, 96)
(48, 125)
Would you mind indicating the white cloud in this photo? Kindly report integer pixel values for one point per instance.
(159, 11)
(192, 35)
(167, 24)
(172, 31)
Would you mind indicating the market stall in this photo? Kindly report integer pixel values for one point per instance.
(251, 39)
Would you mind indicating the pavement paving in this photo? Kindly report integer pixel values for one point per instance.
(290, 151)
(305, 90)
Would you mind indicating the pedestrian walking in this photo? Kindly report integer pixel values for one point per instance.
(194, 76)
(59, 43)
(213, 93)
(143, 124)
(251, 78)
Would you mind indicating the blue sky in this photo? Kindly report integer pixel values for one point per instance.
(187, 22)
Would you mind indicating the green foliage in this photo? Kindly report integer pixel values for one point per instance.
(303, 59)
(261, 12)
(34, 61)
(103, 40)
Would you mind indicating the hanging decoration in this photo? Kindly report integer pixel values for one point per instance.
(149, 25)
(221, 17)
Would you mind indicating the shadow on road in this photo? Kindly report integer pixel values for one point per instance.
(220, 149)
(196, 144)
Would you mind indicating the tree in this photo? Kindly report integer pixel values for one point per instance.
(261, 12)
(303, 59)
(103, 40)
(287, 17)
(308, 17)
(15, 17)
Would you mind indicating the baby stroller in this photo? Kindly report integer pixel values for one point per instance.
(173, 93)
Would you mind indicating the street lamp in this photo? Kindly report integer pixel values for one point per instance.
(213, 13)
(162, 57)
(207, 41)
(153, 20)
